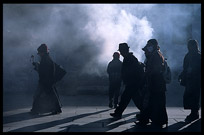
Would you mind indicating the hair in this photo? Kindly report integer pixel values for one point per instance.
(193, 45)
(116, 55)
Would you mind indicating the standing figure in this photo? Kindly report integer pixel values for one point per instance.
(131, 77)
(156, 87)
(114, 72)
(190, 77)
(46, 99)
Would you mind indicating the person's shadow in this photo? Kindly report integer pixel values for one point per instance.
(103, 125)
(181, 126)
(20, 117)
(37, 127)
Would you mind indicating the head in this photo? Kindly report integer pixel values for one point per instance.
(116, 55)
(124, 49)
(42, 50)
(150, 47)
(193, 46)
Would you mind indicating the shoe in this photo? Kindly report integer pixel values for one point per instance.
(110, 105)
(160, 126)
(56, 112)
(141, 123)
(33, 112)
(191, 117)
(138, 116)
(115, 106)
(118, 116)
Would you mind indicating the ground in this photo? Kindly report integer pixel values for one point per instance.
(84, 113)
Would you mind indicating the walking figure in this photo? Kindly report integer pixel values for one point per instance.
(131, 76)
(114, 72)
(155, 98)
(190, 78)
(46, 98)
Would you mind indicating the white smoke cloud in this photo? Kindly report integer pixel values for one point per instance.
(83, 37)
(113, 24)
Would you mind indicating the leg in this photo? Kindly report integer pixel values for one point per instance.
(116, 94)
(158, 112)
(137, 99)
(111, 93)
(125, 99)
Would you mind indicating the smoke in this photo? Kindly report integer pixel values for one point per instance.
(83, 37)
(111, 25)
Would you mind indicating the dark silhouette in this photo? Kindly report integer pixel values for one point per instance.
(190, 77)
(46, 99)
(114, 72)
(131, 76)
(154, 102)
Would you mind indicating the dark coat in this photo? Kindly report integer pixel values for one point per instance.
(155, 98)
(46, 71)
(192, 74)
(130, 71)
(114, 71)
(46, 98)
(154, 69)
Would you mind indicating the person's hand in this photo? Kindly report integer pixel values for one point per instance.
(34, 63)
(179, 78)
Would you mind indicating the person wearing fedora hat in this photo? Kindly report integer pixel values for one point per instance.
(46, 98)
(114, 72)
(131, 77)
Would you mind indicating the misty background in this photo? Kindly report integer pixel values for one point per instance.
(83, 37)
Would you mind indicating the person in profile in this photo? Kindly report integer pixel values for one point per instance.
(46, 99)
(131, 77)
(114, 72)
(190, 78)
(155, 109)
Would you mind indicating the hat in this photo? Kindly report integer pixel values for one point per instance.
(123, 46)
(193, 45)
(42, 48)
(145, 48)
(152, 42)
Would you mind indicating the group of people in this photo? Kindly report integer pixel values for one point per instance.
(146, 86)
(144, 83)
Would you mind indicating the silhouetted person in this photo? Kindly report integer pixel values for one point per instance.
(191, 79)
(114, 72)
(156, 87)
(131, 77)
(46, 99)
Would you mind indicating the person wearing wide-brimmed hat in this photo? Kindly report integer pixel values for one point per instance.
(131, 77)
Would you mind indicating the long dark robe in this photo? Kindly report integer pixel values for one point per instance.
(46, 98)
(155, 98)
(192, 74)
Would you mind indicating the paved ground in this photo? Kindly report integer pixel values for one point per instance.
(84, 113)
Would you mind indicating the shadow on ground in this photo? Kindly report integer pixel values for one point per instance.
(53, 123)
(182, 126)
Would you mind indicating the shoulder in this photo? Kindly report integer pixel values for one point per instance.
(158, 55)
(132, 57)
